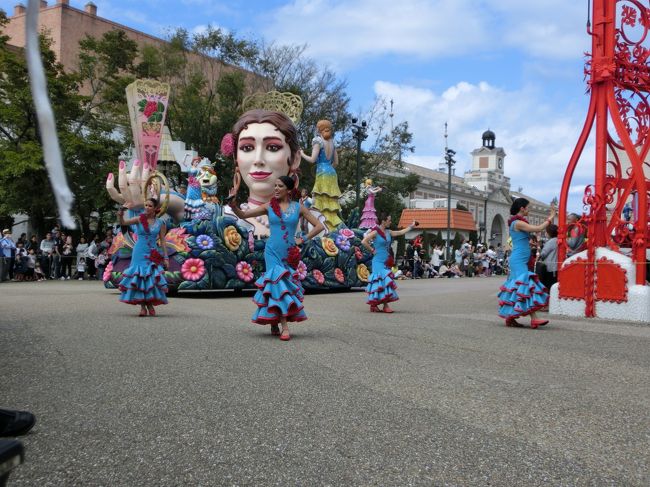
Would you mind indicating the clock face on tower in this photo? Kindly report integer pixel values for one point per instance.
(500, 163)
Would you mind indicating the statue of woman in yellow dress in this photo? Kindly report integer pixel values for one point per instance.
(326, 190)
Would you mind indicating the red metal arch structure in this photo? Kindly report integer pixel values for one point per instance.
(618, 77)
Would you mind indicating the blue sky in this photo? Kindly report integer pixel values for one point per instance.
(513, 66)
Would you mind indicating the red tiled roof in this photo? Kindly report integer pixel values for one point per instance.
(436, 219)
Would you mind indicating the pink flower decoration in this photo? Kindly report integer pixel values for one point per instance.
(301, 270)
(227, 145)
(357, 253)
(339, 276)
(318, 276)
(347, 233)
(193, 269)
(244, 271)
(107, 272)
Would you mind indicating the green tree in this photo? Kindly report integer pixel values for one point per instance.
(85, 126)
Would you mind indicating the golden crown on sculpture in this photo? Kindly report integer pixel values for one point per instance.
(287, 103)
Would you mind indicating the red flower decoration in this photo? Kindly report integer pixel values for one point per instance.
(293, 256)
(155, 257)
(275, 205)
(150, 108)
(389, 262)
(144, 221)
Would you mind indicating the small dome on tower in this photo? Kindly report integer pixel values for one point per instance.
(488, 139)
(488, 135)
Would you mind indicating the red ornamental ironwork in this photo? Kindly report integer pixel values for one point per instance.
(618, 78)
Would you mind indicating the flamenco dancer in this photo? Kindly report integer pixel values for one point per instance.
(381, 287)
(522, 294)
(143, 282)
(326, 188)
(279, 296)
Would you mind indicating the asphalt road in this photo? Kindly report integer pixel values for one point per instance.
(439, 393)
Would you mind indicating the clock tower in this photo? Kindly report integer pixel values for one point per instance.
(487, 165)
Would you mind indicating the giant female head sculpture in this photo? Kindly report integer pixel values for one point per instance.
(266, 147)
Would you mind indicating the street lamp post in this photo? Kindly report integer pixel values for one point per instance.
(359, 133)
(449, 160)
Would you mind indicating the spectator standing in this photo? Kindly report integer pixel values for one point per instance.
(93, 251)
(436, 258)
(82, 254)
(30, 264)
(7, 252)
(548, 256)
(21, 261)
(67, 258)
(33, 244)
(47, 249)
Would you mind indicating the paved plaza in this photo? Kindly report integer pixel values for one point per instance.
(439, 393)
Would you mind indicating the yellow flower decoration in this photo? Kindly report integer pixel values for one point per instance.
(329, 246)
(232, 238)
(362, 272)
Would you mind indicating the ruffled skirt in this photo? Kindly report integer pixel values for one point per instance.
(279, 295)
(522, 295)
(326, 195)
(143, 284)
(381, 287)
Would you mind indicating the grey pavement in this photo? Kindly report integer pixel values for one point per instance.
(439, 393)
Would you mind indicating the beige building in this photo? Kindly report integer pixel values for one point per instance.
(484, 191)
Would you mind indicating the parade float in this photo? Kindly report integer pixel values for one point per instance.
(208, 246)
(607, 277)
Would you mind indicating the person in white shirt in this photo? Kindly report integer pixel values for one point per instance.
(436, 257)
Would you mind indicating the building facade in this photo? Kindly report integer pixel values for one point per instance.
(484, 191)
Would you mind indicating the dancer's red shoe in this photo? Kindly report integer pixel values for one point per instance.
(284, 336)
(535, 323)
(387, 309)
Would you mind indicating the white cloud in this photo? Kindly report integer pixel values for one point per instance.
(538, 139)
(339, 31)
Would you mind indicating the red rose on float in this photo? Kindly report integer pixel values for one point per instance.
(227, 145)
(339, 276)
(150, 108)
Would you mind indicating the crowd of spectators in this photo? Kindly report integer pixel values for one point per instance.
(468, 260)
(57, 256)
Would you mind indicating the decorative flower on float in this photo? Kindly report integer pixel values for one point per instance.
(357, 253)
(339, 276)
(318, 275)
(329, 246)
(231, 238)
(342, 242)
(362, 272)
(107, 272)
(301, 270)
(204, 242)
(244, 271)
(193, 269)
(347, 233)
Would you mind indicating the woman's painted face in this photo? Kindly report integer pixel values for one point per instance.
(262, 156)
(149, 207)
(280, 190)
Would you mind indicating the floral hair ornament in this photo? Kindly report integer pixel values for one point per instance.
(227, 147)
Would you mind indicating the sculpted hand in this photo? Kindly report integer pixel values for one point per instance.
(130, 185)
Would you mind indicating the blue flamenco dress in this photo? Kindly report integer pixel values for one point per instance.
(143, 282)
(381, 286)
(522, 293)
(279, 293)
